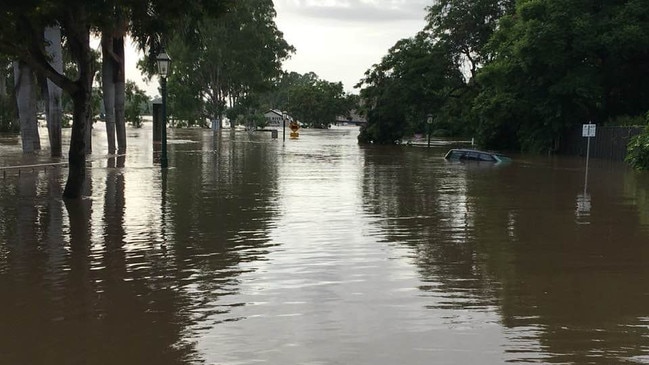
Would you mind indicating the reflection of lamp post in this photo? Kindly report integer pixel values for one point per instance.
(284, 116)
(164, 66)
(429, 121)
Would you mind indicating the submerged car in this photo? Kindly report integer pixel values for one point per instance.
(464, 154)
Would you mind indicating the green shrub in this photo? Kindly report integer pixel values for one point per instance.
(637, 152)
(132, 115)
(626, 120)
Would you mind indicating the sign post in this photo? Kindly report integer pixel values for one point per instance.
(588, 131)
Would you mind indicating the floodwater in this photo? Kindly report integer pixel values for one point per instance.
(251, 250)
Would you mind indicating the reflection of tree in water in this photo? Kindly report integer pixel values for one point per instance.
(636, 188)
(579, 291)
(81, 284)
(581, 285)
(219, 206)
(28, 254)
(425, 205)
(68, 296)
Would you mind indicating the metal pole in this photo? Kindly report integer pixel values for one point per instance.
(163, 159)
(429, 124)
(587, 158)
(284, 128)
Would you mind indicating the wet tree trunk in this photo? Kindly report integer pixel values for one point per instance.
(81, 92)
(108, 88)
(88, 132)
(3, 80)
(55, 108)
(25, 85)
(120, 93)
(77, 158)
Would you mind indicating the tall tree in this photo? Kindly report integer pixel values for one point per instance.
(557, 65)
(8, 121)
(465, 27)
(413, 80)
(238, 54)
(25, 84)
(21, 28)
(113, 76)
(3, 77)
(136, 103)
(108, 70)
(54, 113)
(315, 102)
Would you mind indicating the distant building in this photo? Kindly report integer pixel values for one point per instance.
(353, 118)
(274, 117)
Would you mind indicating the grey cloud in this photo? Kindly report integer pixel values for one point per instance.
(356, 10)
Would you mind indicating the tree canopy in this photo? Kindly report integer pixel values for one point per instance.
(314, 102)
(416, 78)
(22, 25)
(236, 55)
(532, 69)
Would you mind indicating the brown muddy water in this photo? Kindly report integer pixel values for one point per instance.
(249, 250)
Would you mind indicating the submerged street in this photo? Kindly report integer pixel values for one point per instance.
(320, 251)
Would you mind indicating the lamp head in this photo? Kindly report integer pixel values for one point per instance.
(164, 64)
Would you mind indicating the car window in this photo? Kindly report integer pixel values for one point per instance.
(473, 156)
(486, 157)
(455, 154)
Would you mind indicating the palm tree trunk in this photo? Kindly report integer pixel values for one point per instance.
(108, 88)
(55, 108)
(24, 82)
(120, 93)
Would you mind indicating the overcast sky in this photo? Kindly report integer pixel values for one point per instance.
(337, 39)
(341, 39)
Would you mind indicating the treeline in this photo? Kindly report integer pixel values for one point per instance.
(513, 74)
(33, 34)
(227, 59)
(234, 70)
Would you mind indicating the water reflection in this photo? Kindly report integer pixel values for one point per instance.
(318, 250)
(504, 241)
(583, 208)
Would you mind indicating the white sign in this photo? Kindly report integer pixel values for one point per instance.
(588, 130)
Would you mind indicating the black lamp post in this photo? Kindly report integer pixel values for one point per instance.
(284, 116)
(164, 67)
(429, 121)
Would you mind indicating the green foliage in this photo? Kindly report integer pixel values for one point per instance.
(561, 64)
(237, 55)
(316, 103)
(638, 151)
(418, 77)
(66, 120)
(247, 112)
(184, 100)
(465, 27)
(628, 120)
(531, 70)
(137, 102)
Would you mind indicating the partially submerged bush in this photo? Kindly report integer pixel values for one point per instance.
(637, 152)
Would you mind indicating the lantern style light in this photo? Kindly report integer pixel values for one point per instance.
(164, 63)
(164, 68)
